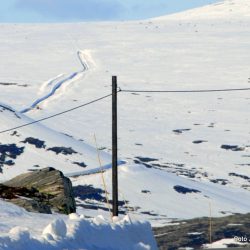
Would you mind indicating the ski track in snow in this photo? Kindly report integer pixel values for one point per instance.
(60, 82)
(49, 83)
(94, 170)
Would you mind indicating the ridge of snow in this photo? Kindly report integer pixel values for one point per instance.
(71, 232)
(224, 9)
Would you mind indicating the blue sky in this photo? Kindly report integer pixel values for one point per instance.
(90, 10)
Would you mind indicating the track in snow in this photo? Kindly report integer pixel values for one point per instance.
(94, 170)
(58, 82)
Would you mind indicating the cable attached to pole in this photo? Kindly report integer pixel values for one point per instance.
(183, 91)
(57, 114)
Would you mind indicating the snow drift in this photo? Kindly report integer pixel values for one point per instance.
(75, 232)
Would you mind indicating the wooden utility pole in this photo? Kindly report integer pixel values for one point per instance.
(114, 147)
(210, 222)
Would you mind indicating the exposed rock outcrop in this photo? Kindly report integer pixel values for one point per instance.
(192, 234)
(43, 190)
(30, 199)
(8, 152)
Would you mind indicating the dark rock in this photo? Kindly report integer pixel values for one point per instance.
(15, 133)
(7, 192)
(102, 148)
(146, 159)
(34, 141)
(245, 177)
(185, 190)
(232, 147)
(149, 213)
(9, 163)
(158, 165)
(220, 181)
(62, 150)
(52, 183)
(199, 141)
(13, 84)
(180, 131)
(211, 125)
(30, 199)
(9, 151)
(195, 232)
(143, 163)
(32, 205)
(8, 83)
(68, 135)
(81, 164)
(187, 173)
(146, 192)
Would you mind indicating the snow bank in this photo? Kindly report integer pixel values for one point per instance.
(223, 243)
(77, 232)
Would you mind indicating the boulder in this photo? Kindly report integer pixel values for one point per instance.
(52, 185)
(32, 205)
(30, 199)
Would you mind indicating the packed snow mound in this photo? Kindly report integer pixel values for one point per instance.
(222, 9)
(74, 232)
(56, 229)
(36, 146)
(224, 243)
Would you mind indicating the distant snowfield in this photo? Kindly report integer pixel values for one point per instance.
(199, 142)
(223, 9)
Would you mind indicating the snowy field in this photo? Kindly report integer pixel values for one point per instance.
(183, 151)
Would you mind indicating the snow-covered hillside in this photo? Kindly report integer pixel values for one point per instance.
(37, 146)
(193, 148)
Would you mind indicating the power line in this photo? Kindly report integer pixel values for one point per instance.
(128, 91)
(57, 114)
(184, 91)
